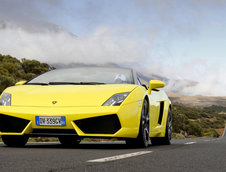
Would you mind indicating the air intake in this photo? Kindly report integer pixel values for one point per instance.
(12, 124)
(108, 124)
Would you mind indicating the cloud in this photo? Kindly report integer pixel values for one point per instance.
(212, 83)
(207, 80)
(59, 46)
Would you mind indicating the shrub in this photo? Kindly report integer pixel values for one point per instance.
(194, 128)
(5, 82)
(34, 66)
(197, 122)
(13, 70)
(210, 133)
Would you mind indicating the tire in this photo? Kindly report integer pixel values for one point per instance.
(15, 141)
(143, 137)
(168, 134)
(69, 140)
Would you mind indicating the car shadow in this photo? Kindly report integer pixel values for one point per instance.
(93, 145)
(88, 145)
(83, 145)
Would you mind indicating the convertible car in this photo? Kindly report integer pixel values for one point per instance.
(81, 102)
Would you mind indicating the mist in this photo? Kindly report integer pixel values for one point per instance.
(102, 46)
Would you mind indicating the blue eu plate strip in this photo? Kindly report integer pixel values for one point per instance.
(63, 121)
(37, 120)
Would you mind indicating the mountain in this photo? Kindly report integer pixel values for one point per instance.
(34, 27)
(197, 101)
(71, 65)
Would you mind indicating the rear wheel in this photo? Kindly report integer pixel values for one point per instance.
(167, 139)
(143, 137)
(69, 140)
(15, 141)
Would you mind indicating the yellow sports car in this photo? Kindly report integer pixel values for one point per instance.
(75, 103)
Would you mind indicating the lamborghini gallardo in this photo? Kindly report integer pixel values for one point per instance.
(75, 103)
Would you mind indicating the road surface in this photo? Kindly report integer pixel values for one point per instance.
(203, 154)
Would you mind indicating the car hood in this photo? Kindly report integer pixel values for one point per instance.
(65, 95)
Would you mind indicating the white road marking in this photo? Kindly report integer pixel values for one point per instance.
(117, 157)
(189, 143)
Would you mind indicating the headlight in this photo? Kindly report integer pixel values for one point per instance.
(116, 99)
(5, 99)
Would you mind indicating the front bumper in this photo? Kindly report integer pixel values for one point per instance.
(105, 121)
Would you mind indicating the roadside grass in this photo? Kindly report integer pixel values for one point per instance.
(55, 139)
(178, 136)
(43, 139)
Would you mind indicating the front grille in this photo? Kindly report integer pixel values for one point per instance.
(54, 131)
(12, 124)
(108, 124)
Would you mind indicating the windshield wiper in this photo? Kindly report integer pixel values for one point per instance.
(91, 83)
(36, 83)
(63, 83)
(75, 83)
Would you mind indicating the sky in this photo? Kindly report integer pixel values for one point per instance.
(177, 39)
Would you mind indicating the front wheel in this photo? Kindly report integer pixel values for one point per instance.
(143, 137)
(167, 139)
(15, 141)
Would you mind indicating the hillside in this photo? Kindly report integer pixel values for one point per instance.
(188, 121)
(13, 70)
(198, 115)
(197, 101)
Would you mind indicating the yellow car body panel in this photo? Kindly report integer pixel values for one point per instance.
(129, 112)
(65, 95)
(156, 129)
(75, 113)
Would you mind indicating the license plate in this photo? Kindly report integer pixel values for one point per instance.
(50, 120)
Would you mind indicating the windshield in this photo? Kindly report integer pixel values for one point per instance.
(85, 75)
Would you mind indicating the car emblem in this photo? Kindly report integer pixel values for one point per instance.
(54, 102)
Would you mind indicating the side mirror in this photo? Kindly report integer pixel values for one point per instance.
(20, 83)
(155, 84)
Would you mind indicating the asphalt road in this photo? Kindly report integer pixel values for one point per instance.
(197, 155)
